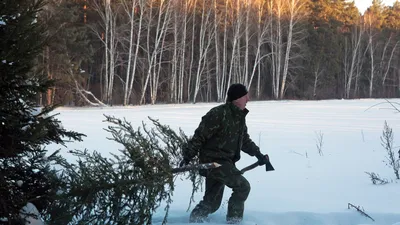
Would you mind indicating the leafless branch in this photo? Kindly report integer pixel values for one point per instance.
(393, 104)
(376, 179)
(359, 210)
(320, 142)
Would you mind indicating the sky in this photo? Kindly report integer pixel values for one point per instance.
(306, 188)
(362, 5)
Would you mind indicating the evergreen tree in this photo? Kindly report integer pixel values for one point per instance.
(324, 46)
(128, 187)
(68, 50)
(393, 17)
(26, 174)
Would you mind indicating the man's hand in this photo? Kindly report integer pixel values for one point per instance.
(262, 159)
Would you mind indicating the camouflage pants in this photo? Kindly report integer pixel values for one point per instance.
(216, 179)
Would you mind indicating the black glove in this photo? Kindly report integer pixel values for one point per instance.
(262, 159)
(184, 162)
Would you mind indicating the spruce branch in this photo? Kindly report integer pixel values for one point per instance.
(127, 187)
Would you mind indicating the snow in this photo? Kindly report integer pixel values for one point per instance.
(19, 183)
(31, 209)
(306, 188)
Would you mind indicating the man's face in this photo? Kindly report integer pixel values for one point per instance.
(241, 102)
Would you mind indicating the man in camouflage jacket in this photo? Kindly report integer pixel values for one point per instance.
(220, 136)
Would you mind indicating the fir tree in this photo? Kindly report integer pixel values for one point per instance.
(128, 187)
(67, 51)
(26, 174)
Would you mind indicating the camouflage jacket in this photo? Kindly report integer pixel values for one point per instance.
(220, 136)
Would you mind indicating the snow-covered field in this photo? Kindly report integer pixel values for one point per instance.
(306, 188)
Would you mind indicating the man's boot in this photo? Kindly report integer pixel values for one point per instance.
(199, 214)
(235, 212)
(233, 220)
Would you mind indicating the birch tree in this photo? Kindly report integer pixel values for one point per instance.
(237, 23)
(294, 9)
(371, 48)
(205, 40)
(162, 24)
(351, 72)
(182, 72)
(281, 51)
(224, 19)
(175, 57)
(373, 22)
(218, 74)
(108, 37)
(386, 63)
(275, 12)
(245, 79)
(262, 27)
(133, 9)
(192, 49)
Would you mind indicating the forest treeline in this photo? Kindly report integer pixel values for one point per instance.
(129, 52)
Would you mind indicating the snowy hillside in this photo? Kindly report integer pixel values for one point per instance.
(308, 187)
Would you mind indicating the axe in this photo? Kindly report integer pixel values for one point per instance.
(268, 167)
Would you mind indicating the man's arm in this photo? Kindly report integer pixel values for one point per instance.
(209, 125)
(252, 149)
(248, 145)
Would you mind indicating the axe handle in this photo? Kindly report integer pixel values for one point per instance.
(268, 167)
(250, 167)
(195, 167)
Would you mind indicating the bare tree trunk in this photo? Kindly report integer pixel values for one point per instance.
(288, 47)
(139, 34)
(109, 40)
(183, 49)
(106, 51)
(371, 51)
(247, 40)
(131, 14)
(356, 41)
(386, 68)
(218, 75)
(358, 73)
(162, 26)
(262, 32)
(192, 51)
(150, 53)
(317, 75)
(205, 38)
(156, 75)
(258, 81)
(113, 52)
(50, 93)
(294, 6)
(236, 39)
(82, 92)
(175, 54)
(276, 45)
(225, 53)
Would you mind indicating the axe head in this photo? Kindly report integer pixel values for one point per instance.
(269, 167)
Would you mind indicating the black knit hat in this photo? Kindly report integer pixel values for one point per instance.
(236, 91)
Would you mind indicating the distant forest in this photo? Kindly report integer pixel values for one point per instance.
(134, 52)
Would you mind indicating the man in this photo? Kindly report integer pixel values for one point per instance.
(220, 136)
